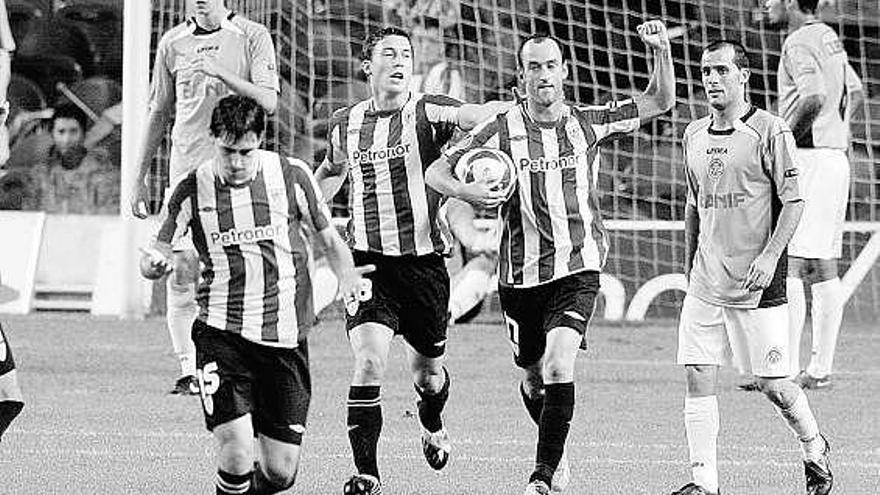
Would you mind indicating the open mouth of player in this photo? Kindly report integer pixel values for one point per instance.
(396, 76)
(715, 93)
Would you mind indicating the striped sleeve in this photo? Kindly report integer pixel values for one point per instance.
(179, 213)
(162, 84)
(613, 118)
(264, 70)
(781, 163)
(484, 135)
(309, 199)
(442, 112)
(336, 152)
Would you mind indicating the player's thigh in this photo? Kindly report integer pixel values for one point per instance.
(422, 289)
(278, 459)
(283, 393)
(759, 339)
(701, 335)
(380, 306)
(224, 371)
(570, 301)
(523, 312)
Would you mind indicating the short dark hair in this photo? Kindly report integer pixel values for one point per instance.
(236, 115)
(808, 6)
(375, 37)
(740, 57)
(537, 38)
(70, 111)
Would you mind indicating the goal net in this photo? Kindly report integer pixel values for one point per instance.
(466, 48)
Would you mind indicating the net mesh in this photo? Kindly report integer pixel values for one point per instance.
(466, 48)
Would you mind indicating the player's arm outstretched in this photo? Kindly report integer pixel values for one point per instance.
(156, 259)
(782, 167)
(659, 96)
(162, 101)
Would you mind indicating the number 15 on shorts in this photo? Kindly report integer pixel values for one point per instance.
(209, 382)
(512, 333)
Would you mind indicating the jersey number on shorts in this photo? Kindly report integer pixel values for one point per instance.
(513, 333)
(209, 382)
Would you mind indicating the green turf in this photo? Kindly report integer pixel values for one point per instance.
(98, 419)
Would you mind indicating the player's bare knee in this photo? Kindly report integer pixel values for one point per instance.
(430, 380)
(701, 380)
(370, 364)
(236, 455)
(557, 370)
(781, 391)
(281, 474)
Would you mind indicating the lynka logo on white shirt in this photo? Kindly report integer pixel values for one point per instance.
(244, 236)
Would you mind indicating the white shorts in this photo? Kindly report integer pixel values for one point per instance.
(753, 340)
(824, 180)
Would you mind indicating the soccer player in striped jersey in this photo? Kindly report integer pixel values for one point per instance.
(11, 402)
(743, 205)
(246, 209)
(383, 145)
(553, 243)
(214, 53)
(818, 94)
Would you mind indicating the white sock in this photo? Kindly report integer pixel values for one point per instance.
(701, 422)
(827, 314)
(470, 289)
(797, 310)
(180, 315)
(800, 419)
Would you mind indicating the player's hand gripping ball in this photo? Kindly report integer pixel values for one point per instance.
(153, 263)
(489, 166)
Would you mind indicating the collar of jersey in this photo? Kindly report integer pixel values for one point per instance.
(200, 31)
(560, 122)
(726, 132)
(372, 110)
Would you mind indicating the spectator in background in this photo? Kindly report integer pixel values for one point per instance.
(67, 178)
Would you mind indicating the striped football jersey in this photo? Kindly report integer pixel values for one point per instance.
(552, 225)
(738, 180)
(254, 279)
(392, 211)
(242, 46)
(814, 62)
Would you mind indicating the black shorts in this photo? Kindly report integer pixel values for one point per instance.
(531, 312)
(7, 364)
(410, 295)
(237, 377)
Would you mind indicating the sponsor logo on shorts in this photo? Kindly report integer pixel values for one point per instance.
(792, 172)
(774, 356)
(297, 428)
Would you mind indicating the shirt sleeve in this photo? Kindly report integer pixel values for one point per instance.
(264, 69)
(852, 80)
(690, 180)
(162, 85)
(612, 118)
(804, 68)
(442, 112)
(781, 162)
(309, 200)
(485, 135)
(179, 214)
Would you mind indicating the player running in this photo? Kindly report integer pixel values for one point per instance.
(818, 94)
(246, 209)
(553, 243)
(383, 145)
(743, 204)
(214, 53)
(11, 402)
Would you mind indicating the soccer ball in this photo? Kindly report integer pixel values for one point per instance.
(487, 165)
